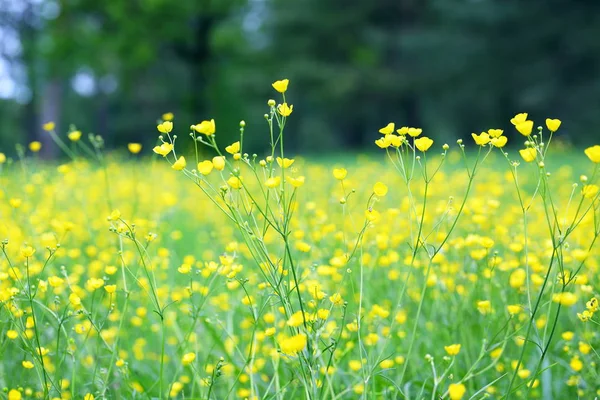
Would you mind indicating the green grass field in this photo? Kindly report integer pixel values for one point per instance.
(419, 273)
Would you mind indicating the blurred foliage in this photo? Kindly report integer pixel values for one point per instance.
(450, 66)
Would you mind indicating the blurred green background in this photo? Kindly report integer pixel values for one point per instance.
(453, 67)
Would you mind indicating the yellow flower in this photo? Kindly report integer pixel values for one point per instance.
(273, 182)
(12, 334)
(88, 396)
(576, 364)
(553, 124)
(482, 139)
(168, 116)
(293, 345)
(453, 349)
(499, 141)
(525, 127)
(163, 149)
(2, 158)
(495, 133)
(35, 146)
(593, 153)
(234, 182)
(414, 132)
(205, 167)
(165, 127)
(134, 148)
(27, 251)
(589, 191)
(110, 288)
(55, 281)
(340, 173)
(423, 144)
(188, 358)
(484, 307)
(120, 362)
(219, 163)
(384, 142)
(233, 148)
(389, 128)
(49, 126)
(517, 119)
(529, 154)
(403, 131)
(566, 299)
(295, 182)
(456, 391)
(14, 394)
(514, 309)
(285, 110)
(74, 136)
(380, 189)
(285, 162)
(281, 86)
(205, 127)
(179, 164)
(27, 364)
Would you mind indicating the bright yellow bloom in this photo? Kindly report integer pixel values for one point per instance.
(219, 163)
(293, 345)
(525, 127)
(168, 116)
(2, 158)
(495, 133)
(482, 139)
(205, 127)
(553, 124)
(88, 396)
(380, 189)
(235, 182)
(27, 251)
(456, 391)
(285, 110)
(340, 173)
(55, 281)
(27, 364)
(529, 154)
(499, 141)
(205, 167)
(273, 182)
(74, 136)
(453, 349)
(233, 148)
(179, 164)
(414, 132)
(402, 131)
(517, 119)
(484, 307)
(110, 288)
(576, 364)
(384, 142)
(389, 128)
(566, 299)
(423, 143)
(49, 126)
(281, 86)
(14, 394)
(134, 148)
(35, 146)
(12, 334)
(188, 358)
(593, 153)
(164, 149)
(165, 127)
(295, 182)
(514, 309)
(285, 162)
(590, 191)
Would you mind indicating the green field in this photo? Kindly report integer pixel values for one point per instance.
(452, 272)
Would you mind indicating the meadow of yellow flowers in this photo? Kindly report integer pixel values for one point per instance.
(438, 271)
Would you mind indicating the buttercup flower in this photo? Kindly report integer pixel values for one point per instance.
(423, 143)
(281, 86)
(205, 127)
(389, 128)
